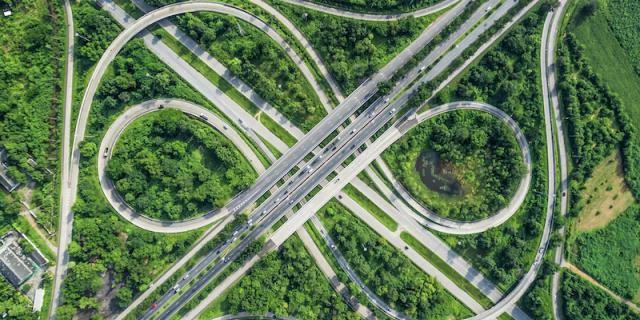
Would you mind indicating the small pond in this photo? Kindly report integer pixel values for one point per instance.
(435, 177)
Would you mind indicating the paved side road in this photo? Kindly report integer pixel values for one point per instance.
(371, 16)
(550, 99)
(67, 188)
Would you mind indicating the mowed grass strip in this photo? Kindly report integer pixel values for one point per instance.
(378, 213)
(605, 195)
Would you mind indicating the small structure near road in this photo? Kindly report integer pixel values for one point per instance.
(18, 265)
(5, 180)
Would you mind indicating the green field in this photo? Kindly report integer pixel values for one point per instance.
(617, 66)
(611, 254)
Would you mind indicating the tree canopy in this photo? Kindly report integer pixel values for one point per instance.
(170, 166)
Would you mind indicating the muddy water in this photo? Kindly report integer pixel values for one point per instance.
(433, 175)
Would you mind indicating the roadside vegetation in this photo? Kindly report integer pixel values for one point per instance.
(31, 79)
(260, 62)
(13, 304)
(611, 254)
(463, 165)
(378, 6)
(508, 77)
(170, 166)
(353, 49)
(582, 301)
(286, 282)
(386, 271)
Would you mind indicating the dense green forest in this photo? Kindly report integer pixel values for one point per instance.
(170, 166)
(389, 273)
(584, 301)
(30, 99)
(474, 149)
(9, 210)
(287, 283)
(507, 77)
(378, 5)
(610, 254)
(14, 305)
(259, 61)
(353, 49)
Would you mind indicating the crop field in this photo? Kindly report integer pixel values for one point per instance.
(605, 195)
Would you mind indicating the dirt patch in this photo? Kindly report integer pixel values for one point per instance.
(605, 196)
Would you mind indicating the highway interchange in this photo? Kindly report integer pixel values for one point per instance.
(324, 160)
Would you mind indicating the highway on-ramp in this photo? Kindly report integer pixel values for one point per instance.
(438, 6)
(108, 146)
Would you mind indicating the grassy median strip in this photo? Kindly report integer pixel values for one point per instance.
(378, 213)
(442, 265)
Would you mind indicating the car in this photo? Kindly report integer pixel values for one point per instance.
(333, 246)
(370, 115)
(264, 212)
(277, 200)
(202, 116)
(225, 259)
(310, 170)
(234, 239)
(392, 110)
(564, 193)
(290, 201)
(353, 131)
(386, 100)
(224, 126)
(422, 68)
(161, 106)
(487, 9)
(235, 233)
(154, 306)
(250, 222)
(106, 152)
(176, 288)
(186, 276)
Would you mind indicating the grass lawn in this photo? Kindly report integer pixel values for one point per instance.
(609, 60)
(605, 195)
(378, 213)
(611, 254)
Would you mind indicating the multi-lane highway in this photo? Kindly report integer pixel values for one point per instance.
(376, 122)
(327, 159)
